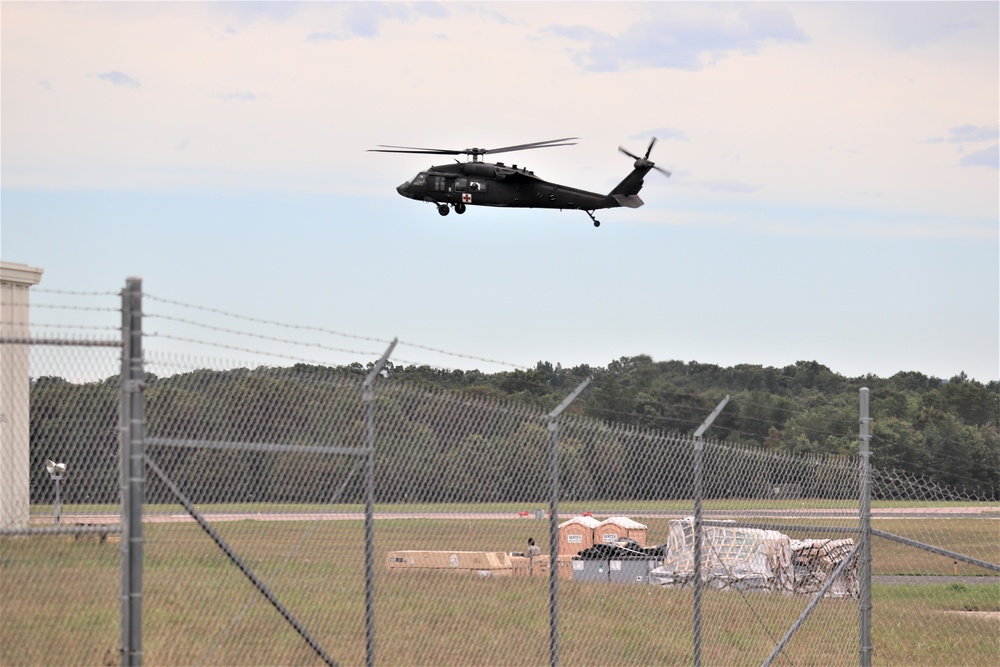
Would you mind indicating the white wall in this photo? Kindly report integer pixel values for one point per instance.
(15, 280)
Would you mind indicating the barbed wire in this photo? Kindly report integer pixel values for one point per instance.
(94, 309)
(48, 290)
(321, 346)
(272, 339)
(258, 320)
(48, 325)
(262, 353)
(324, 330)
(371, 356)
(464, 356)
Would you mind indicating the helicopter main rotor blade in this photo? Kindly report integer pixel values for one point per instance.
(652, 142)
(471, 151)
(535, 144)
(408, 149)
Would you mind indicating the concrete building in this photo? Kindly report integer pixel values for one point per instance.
(15, 281)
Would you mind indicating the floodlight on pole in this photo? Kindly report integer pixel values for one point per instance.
(56, 472)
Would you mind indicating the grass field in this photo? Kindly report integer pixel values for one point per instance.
(60, 601)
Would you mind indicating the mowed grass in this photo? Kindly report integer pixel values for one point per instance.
(59, 602)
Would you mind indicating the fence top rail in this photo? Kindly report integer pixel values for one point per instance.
(256, 446)
(66, 342)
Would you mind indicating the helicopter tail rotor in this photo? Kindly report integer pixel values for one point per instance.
(644, 161)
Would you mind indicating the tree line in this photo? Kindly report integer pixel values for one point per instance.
(945, 430)
(469, 436)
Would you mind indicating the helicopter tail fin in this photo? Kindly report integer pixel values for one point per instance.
(629, 201)
(626, 193)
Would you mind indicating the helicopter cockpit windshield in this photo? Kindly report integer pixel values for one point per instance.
(418, 181)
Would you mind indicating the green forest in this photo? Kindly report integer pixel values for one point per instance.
(947, 431)
(469, 436)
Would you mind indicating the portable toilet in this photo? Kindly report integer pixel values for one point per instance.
(617, 528)
(577, 534)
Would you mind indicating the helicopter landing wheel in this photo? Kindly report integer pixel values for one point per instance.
(443, 209)
(460, 208)
(597, 223)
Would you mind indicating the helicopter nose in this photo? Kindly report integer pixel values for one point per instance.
(402, 189)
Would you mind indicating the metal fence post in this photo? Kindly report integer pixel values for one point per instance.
(699, 477)
(699, 468)
(554, 523)
(820, 594)
(133, 471)
(368, 398)
(865, 570)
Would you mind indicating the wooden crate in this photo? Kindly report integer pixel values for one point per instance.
(616, 528)
(534, 567)
(461, 561)
(484, 563)
(540, 566)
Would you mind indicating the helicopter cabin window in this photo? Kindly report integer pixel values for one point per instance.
(463, 185)
(436, 183)
(420, 178)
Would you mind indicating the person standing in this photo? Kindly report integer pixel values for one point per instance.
(533, 552)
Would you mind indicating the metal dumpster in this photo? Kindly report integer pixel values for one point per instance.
(590, 569)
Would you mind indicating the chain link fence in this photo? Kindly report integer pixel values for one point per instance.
(60, 548)
(264, 543)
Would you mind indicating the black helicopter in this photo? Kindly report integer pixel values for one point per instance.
(478, 183)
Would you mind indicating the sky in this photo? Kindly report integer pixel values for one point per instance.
(834, 192)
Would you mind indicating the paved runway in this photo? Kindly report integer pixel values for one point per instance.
(977, 511)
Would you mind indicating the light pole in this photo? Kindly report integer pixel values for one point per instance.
(56, 472)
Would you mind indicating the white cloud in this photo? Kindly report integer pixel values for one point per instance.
(118, 79)
(988, 157)
(683, 37)
(968, 133)
(925, 23)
